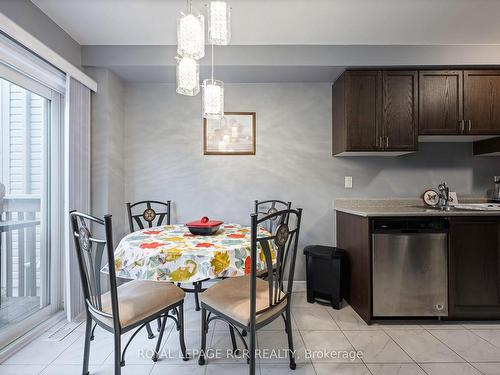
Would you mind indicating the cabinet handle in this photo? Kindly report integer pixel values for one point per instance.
(380, 144)
(462, 126)
(469, 125)
(387, 142)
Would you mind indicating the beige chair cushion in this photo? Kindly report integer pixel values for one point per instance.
(139, 299)
(231, 297)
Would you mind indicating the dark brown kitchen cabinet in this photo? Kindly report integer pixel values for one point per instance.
(399, 114)
(482, 101)
(474, 268)
(374, 112)
(356, 111)
(441, 102)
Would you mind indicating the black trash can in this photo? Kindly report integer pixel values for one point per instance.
(328, 275)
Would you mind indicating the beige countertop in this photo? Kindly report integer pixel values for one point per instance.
(404, 207)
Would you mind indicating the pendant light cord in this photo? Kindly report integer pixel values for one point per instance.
(189, 5)
(212, 62)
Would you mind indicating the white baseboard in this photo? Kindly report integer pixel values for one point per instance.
(299, 286)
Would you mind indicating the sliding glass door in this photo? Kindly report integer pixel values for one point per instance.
(30, 255)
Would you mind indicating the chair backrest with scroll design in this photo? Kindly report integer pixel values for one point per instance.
(148, 213)
(90, 251)
(279, 250)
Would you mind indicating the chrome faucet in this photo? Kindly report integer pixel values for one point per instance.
(444, 196)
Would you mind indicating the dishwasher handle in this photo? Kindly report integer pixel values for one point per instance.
(414, 225)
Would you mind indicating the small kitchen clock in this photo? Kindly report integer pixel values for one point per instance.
(431, 197)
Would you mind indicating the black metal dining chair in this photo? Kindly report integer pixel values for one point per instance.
(263, 208)
(249, 302)
(143, 213)
(127, 307)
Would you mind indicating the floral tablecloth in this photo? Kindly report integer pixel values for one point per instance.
(172, 253)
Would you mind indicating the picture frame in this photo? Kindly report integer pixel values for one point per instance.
(234, 134)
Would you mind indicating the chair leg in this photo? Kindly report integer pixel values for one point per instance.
(197, 289)
(201, 358)
(293, 365)
(92, 333)
(160, 337)
(182, 343)
(151, 335)
(86, 350)
(233, 340)
(251, 350)
(284, 320)
(118, 353)
(159, 324)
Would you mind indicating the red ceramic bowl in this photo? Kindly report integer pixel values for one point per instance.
(204, 226)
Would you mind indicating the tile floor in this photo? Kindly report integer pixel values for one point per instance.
(388, 349)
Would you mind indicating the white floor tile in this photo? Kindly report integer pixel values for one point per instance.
(347, 319)
(490, 335)
(395, 369)
(482, 325)
(488, 368)
(468, 345)
(341, 369)
(220, 348)
(449, 369)
(129, 369)
(329, 346)
(187, 369)
(41, 351)
(377, 347)
(229, 369)
(100, 348)
(421, 346)
(284, 369)
(67, 369)
(21, 369)
(274, 347)
(313, 319)
(141, 348)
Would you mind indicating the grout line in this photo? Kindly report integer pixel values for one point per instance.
(447, 346)
(482, 338)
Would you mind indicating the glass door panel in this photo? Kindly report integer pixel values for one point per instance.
(25, 256)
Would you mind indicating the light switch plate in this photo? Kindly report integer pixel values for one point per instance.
(348, 182)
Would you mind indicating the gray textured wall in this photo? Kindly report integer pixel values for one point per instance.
(163, 158)
(108, 149)
(33, 20)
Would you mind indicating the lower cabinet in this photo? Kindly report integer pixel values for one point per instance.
(474, 268)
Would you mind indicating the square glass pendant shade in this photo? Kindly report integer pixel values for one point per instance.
(191, 35)
(188, 76)
(213, 99)
(219, 23)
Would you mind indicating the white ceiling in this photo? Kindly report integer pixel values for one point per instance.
(268, 22)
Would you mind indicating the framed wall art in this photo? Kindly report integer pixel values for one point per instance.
(234, 134)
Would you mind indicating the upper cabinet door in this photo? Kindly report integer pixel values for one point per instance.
(482, 101)
(440, 102)
(363, 102)
(399, 117)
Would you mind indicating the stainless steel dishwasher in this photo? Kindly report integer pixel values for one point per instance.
(410, 267)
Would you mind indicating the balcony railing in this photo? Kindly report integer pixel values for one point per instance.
(19, 221)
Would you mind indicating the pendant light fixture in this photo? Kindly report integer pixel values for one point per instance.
(188, 76)
(191, 47)
(219, 23)
(213, 96)
(191, 34)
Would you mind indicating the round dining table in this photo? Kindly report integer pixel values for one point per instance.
(171, 253)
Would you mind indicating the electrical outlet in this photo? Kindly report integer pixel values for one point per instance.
(348, 182)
